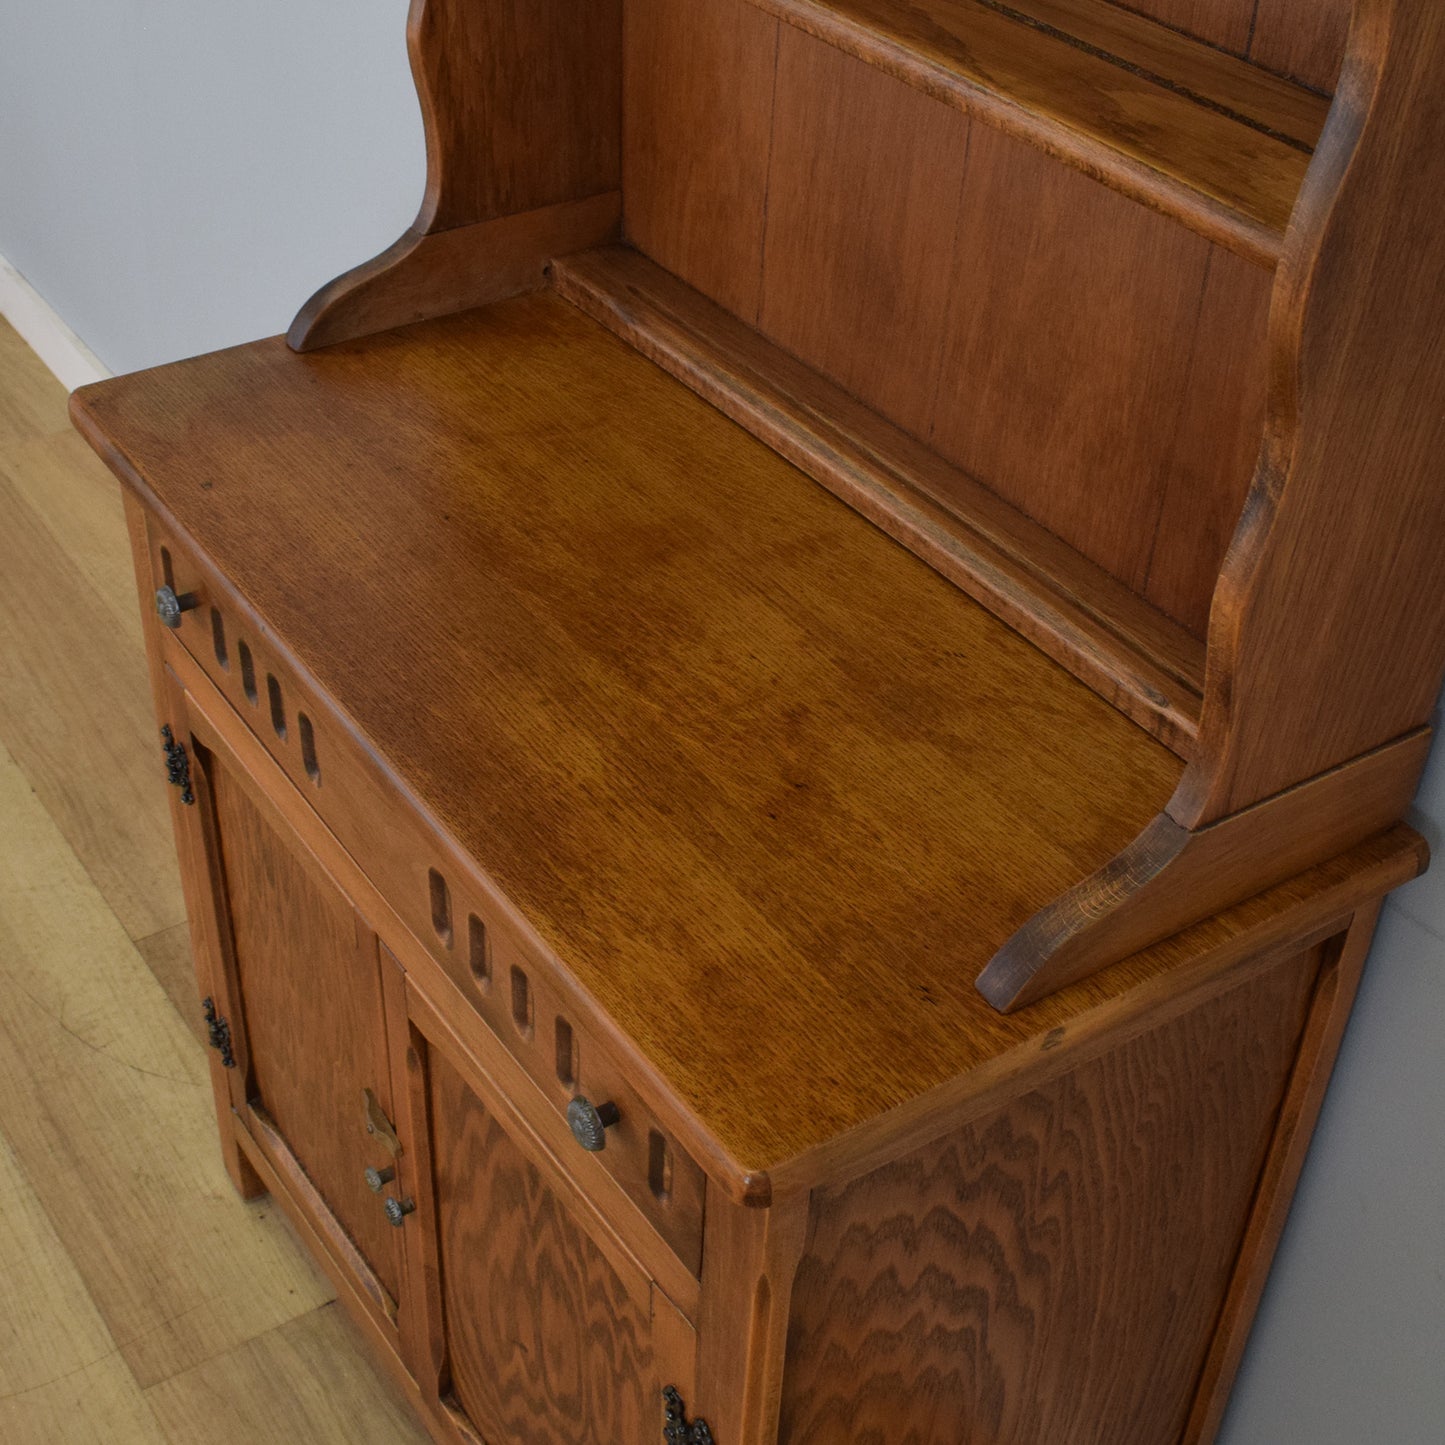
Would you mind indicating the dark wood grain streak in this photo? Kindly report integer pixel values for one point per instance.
(547, 1341)
(1055, 1265)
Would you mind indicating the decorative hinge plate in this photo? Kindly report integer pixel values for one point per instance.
(219, 1032)
(675, 1429)
(178, 765)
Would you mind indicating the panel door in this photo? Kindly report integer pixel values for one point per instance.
(552, 1330)
(305, 1005)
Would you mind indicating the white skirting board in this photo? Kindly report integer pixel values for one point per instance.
(68, 357)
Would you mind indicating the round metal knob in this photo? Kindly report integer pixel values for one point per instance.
(590, 1122)
(378, 1179)
(397, 1210)
(169, 605)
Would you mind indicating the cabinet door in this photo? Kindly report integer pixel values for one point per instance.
(304, 1002)
(553, 1331)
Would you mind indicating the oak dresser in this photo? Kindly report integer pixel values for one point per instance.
(789, 720)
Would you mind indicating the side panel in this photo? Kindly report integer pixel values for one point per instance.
(1053, 1271)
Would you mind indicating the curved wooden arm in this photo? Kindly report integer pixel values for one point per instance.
(522, 105)
(1327, 636)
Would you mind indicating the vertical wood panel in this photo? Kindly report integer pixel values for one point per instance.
(1216, 443)
(863, 208)
(1070, 342)
(1304, 39)
(522, 103)
(1054, 1265)
(696, 130)
(1225, 23)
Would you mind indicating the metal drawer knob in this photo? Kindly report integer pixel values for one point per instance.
(590, 1122)
(397, 1210)
(169, 605)
(378, 1179)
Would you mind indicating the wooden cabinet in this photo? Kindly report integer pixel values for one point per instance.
(791, 718)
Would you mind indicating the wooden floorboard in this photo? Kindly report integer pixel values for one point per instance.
(144, 1303)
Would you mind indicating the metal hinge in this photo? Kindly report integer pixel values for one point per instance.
(178, 765)
(675, 1429)
(219, 1032)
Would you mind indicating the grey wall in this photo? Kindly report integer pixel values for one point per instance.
(178, 175)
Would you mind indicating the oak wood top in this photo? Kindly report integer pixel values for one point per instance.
(768, 785)
(1183, 127)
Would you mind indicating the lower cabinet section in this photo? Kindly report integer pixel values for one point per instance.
(518, 1314)
(1072, 1254)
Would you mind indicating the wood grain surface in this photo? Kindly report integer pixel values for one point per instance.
(521, 103)
(1096, 365)
(435, 274)
(697, 127)
(1186, 129)
(548, 1341)
(1103, 371)
(856, 730)
(1171, 876)
(1145, 664)
(1302, 38)
(1057, 1264)
(310, 1004)
(863, 201)
(1328, 634)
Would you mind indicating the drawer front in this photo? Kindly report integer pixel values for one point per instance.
(449, 909)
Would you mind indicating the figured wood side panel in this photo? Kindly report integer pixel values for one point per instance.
(1055, 1269)
(1304, 39)
(521, 100)
(864, 191)
(1328, 632)
(549, 1339)
(697, 125)
(1087, 352)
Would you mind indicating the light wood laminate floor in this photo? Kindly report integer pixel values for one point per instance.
(143, 1302)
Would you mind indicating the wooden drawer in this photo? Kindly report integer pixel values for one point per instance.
(459, 920)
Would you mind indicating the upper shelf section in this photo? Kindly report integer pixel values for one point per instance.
(1186, 129)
